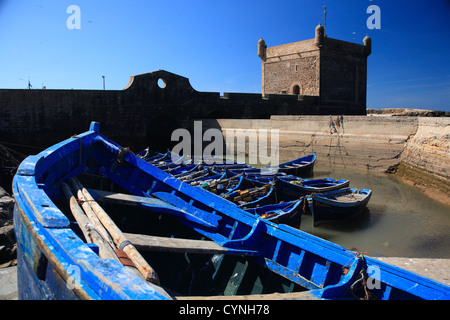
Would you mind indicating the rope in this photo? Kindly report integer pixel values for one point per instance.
(359, 289)
(21, 145)
(10, 155)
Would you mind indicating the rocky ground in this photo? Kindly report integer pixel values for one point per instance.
(8, 246)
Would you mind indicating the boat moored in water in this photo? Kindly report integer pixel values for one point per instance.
(288, 213)
(338, 205)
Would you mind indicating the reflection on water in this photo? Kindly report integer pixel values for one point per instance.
(399, 221)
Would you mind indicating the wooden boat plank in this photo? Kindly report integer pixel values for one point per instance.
(351, 197)
(126, 199)
(168, 204)
(153, 243)
(165, 244)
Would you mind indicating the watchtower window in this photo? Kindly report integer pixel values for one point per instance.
(296, 90)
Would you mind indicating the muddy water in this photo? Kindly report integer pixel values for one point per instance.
(399, 222)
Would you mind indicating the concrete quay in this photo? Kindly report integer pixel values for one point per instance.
(8, 283)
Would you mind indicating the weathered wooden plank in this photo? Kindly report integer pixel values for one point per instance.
(168, 203)
(153, 243)
(126, 199)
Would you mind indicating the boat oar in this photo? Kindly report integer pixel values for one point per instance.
(109, 247)
(90, 232)
(90, 213)
(121, 242)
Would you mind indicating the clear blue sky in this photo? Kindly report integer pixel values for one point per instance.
(214, 43)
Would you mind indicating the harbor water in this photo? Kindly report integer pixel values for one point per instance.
(400, 221)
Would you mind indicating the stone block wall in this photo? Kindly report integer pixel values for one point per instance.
(333, 70)
(362, 142)
(429, 149)
(143, 114)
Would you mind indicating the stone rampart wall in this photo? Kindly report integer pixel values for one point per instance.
(361, 142)
(429, 148)
(370, 142)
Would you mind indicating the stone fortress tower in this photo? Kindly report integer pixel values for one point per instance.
(334, 71)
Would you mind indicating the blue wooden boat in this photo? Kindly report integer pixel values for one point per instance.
(167, 166)
(301, 167)
(183, 169)
(194, 241)
(162, 159)
(338, 205)
(145, 155)
(216, 163)
(196, 175)
(221, 184)
(244, 192)
(287, 212)
(291, 187)
(250, 197)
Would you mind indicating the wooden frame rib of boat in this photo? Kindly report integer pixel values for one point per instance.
(56, 262)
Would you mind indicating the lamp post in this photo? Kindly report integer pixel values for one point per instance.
(103, 82)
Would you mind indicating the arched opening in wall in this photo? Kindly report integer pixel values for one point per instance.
(159, 132)
(162, 83)
(296, 89)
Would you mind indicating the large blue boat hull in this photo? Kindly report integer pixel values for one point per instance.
(55, 262)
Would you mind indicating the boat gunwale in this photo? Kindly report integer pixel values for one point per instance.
(322, 197)
(340, 184)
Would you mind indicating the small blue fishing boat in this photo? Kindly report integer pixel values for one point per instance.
(183, 169)
(286, 213)
(338, 205)
(162, 159)
(196, 175)
(167, 166)
(230, 166)
(221, 184)
(301, 167)
(76, 241)
(291, 187)
(145, 155)
(251, 197)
